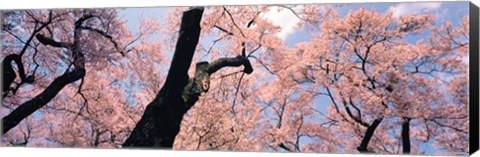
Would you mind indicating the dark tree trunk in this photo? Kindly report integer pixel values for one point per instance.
(368, 135)
(27, 108)
(161, 120)
(406, 136)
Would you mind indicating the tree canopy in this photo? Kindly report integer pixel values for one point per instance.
(221, 78)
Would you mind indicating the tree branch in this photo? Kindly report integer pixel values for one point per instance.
(233, 62)
(233, 21)
(27, 108)
(285, 147)
(49, 41)
(104, 34)
(406, 136)
(368, 135)
(50, 19)
(356, 119)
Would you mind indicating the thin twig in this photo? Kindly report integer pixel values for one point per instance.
(236, 92)
(235, 24)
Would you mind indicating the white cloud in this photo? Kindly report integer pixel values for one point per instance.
(284, 18)
(414, 8)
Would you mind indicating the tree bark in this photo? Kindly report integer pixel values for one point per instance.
(368, 135)
(406, 136)
(9, 74)
(223, 62)
(161, 120)
(27, 108)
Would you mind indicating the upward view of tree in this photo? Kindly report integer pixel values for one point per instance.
(221, 78)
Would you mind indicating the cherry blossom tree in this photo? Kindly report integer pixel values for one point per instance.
(364, 82)
(61, 43)
(378, 82)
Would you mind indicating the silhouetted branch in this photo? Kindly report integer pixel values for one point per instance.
(233, 62)
(233, 21)
(368, 135)
(27, 108)
(49, 41)
(106, 35)
(406, 136)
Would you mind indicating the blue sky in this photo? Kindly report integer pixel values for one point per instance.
(133, 16)
(448, 11)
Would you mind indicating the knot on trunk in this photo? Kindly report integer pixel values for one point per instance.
(197, 85)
